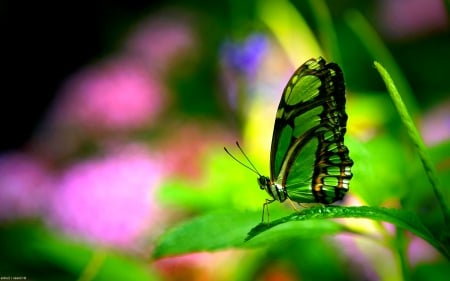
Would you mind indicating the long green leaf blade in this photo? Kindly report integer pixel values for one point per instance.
(416, 140)
(230, 229)
(400, 218)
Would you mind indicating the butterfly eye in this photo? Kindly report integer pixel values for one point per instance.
(263, 182)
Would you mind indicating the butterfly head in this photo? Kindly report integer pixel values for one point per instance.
(264, 182)
(274, 189)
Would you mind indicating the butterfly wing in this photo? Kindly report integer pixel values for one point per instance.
(308, 155)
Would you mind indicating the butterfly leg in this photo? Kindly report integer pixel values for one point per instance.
(266, 206)
(294, 206)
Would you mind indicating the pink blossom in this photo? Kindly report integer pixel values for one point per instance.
(201, 266)
(360, 262)
(109, 200)
(25, 184)
(185, 149)
(405, 18)
(436, 124)
(118, 94)
(420, 251)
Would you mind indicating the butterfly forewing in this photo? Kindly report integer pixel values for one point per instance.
(308, 156)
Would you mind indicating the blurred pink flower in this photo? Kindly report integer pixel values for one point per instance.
(436, 124)
(360, 264)
(420, 251)
(25, 185)
(201, 266)
(185, 149)
(162, 39)
(109, 200)
(118, 94)
(406, 18)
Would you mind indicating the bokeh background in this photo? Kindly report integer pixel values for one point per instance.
(115, 114)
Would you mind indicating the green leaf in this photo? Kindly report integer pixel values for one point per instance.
(267, 234)
(400, 218)
(210, 232)
(230, 229)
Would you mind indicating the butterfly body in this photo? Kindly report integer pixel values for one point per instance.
(277, 191)
(309, 161)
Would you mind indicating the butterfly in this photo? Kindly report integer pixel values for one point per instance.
(309, 162)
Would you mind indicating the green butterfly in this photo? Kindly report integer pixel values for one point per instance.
(308, 160)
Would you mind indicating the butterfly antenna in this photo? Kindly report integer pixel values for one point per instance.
(251, 167)
(246, 157)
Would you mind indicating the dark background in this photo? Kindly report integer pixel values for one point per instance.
(42, 44)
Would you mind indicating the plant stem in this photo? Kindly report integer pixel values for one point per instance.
(416, 140)
(93, 267)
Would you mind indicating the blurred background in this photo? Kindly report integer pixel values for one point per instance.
(115, 115)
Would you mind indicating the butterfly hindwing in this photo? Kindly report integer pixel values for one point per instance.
(308, 155)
